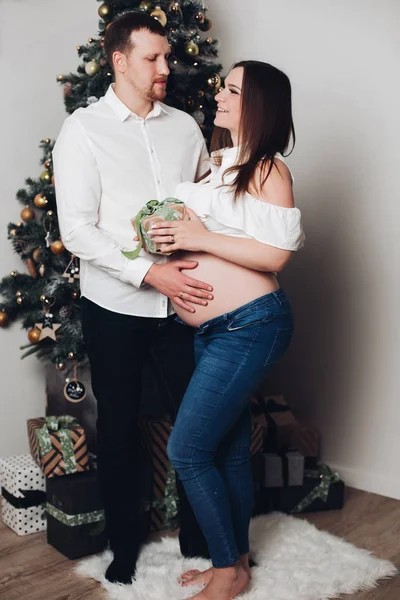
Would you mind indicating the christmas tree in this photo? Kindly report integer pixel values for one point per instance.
(46, 299)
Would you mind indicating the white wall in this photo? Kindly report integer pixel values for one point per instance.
(341, 371)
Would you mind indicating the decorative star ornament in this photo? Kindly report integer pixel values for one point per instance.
(48, 328)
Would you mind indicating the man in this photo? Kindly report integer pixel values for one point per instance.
(109, 160)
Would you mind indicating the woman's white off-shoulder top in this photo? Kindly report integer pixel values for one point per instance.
(248, 217)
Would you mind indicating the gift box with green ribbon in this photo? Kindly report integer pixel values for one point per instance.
(58, 444)
(322, 490)
(153, 212)
(75, 517)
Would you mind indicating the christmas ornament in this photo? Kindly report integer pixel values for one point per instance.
(145, 5)
(75, 295)
(200, 17)
(74, 391)
(190, 103)
(48, 328)
(20, 300)
(92, 67)
(13, 232)
(47, 165)
(18, 293)
(214, 81)
(13, 273)
(71, 355)
(45, 176)
(36, 255)
(206, 25)
(60, 365)
(18, 224)
(60, 77)
(40, 201)
(90, 40)
(57, 247)
(209, 40)
(200, 94)
(34, 335)
(42, 270)
(192, 49)
(3, 318)
(199, 117)
(72, 270)
(67, 89)
(104, 11)
(31, 268)
(27, 214)
(175, 8)
(46, 141)
(160, 15)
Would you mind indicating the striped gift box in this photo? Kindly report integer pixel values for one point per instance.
(155, 439)
(65, 454)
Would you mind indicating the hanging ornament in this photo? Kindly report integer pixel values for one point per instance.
(27, 214)
(192, 49)
(145, 5)
(47, 164)
(45, 176)
(200, 94)
(74, 390)
(206, 25)
(13, 232)
(199, 117)
(48, 328)
(57, 247)
(209, 40)
(200, 17)
(160, 15)
(31, 268)
(175, 8)
(104, 11)
(60, 77)
(42, 270)
(34, 335)
(36, 255)
(46, 141)
(75, 295)
(3, 318)
(92, 67)
(13, 273)
(20, 300)
(72, 270)
(60, 365)
(214, 81)
(40, 201)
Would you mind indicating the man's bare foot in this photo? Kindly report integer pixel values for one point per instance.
(195, 577)
(225, 584)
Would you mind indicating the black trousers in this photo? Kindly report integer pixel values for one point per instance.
(119, 347)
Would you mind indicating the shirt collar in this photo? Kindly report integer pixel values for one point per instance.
(123, 112)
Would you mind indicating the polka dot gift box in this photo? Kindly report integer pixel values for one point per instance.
(23, 494)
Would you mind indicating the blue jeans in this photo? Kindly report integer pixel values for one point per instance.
(209, 446)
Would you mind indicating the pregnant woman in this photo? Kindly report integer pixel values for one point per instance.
(243, 230)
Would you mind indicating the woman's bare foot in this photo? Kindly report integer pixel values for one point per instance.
(225, 584)
(196, 577)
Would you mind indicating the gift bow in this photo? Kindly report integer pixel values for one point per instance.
(63, 425)
(146, 211)
(327, 478)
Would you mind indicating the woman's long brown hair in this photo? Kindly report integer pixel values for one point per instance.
(266, 124)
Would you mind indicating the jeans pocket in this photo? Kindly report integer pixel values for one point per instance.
(280, 345)
(246, 320)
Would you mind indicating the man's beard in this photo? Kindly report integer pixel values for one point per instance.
(156, 92)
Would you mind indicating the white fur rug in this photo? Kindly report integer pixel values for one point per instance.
(295, 561)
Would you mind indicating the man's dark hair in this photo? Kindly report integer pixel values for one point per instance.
(118, 35)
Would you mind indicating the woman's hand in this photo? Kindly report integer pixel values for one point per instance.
(181, 235)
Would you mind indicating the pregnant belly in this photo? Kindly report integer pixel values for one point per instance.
(232, 284)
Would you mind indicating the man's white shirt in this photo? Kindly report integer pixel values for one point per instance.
(108, 163)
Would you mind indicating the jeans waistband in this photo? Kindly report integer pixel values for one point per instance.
(276, 297)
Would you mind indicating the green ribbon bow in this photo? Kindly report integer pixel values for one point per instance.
(95, 516)
(327, 478)
(169, 505)
(152, 207)
(63, 425)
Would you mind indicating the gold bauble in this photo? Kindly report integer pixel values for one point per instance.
(209, 40)
(192, 49)
(200, 17)
(92, 67)
(47, 164)
(27, 214)
(145, 5)
(20, 300)
(160, 15)
(200, 94)
(214, 81)
(18, 293)
(36, 254)
(34, 335)
(60, 365)
(13, 273)
(175, 7)
(206, 25)
(42, 298)
(46, 176)
(49, 213)
(71, 355)
(57, 247)
(18, 224)
(60, 77)
(40, 201)
(13, 232)
(75, 295)
(3, 319)
(104, 11)
(90, 40)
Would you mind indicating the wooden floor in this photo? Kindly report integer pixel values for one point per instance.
(32, 570)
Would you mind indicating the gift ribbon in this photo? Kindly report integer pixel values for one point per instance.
(169, 504)
(74, 520)
(148, 209)
(62, 425)
(30, 498)
(327, 478)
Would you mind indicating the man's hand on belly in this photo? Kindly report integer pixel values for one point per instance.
(170, 281)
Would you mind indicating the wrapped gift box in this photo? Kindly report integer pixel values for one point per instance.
(23, 494)
(322, 490)
(279, 470)
(58, 444)
(75, 517)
